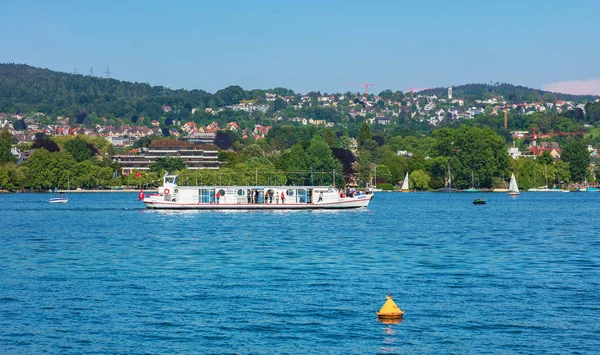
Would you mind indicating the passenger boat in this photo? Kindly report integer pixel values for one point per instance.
(173, 196)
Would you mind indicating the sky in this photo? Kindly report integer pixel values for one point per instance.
(327, 46)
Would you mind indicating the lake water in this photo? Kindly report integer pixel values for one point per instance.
(101, 274)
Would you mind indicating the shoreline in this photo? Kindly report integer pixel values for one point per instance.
(77, 191)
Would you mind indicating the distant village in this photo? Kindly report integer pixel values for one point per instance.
(376, 110)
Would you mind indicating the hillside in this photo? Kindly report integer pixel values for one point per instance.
(24, 88)
(511, 93)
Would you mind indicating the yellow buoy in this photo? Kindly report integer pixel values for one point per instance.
(390, 310)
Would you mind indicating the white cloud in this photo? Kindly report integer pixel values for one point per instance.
(576, 87)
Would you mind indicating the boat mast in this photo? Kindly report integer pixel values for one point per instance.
(375, 185)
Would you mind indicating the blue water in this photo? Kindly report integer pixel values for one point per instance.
(101, 274)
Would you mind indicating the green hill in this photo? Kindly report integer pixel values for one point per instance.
(512, 93)
(25, 89)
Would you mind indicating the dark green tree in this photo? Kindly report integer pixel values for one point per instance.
(41, 140)
(545, 158)
(322, 162)
(279, 104)
(79, 149)
(577, 156)
(169, 164)
(5, 147)
(364, 135)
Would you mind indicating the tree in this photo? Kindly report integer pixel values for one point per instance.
(223, 140)
(253, 150)
(576, 154)
(364, 135)
(321, 161)
(170, 164)
(545, 158)
(11, 177)
(79, 149)
(473, 150)
(6, 155)
(420, 179)
(279, 104)
(383, 174)
(41, 140)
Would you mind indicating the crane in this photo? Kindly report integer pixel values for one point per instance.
(244, 102)
(413, 90)
(366, 85)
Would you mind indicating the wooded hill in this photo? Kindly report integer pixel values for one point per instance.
(27, 89)
(511, 93)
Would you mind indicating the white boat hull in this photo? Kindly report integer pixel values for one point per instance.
(58, 200)
(346, 203)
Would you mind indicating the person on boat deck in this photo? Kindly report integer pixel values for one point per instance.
(282, 198)
(249, 195)
(320, 197)
(277, 198)
(271, 197)
(60, 195)
(218, 197)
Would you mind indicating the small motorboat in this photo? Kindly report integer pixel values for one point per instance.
(479, 201)
(59, 199)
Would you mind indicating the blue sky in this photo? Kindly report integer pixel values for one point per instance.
(308, 45)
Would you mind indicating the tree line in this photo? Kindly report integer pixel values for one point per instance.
(307, 156)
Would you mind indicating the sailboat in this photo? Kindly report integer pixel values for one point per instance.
(374, 186)
(405, 187)
(513, 189)
(448, 183)
(544, 188)
(472, 189)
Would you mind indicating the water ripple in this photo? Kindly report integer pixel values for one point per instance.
(103, 275)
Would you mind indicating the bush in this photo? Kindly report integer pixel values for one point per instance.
(385, 186)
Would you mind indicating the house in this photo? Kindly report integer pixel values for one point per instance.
(383, 120)
(174, 132)
(213, 127)
(155, 123)
(514, 152)
(232, 126)
(261, 131)
(167, 108)
(189, 126)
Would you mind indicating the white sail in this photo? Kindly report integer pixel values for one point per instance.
(405, 183)
(512, 187)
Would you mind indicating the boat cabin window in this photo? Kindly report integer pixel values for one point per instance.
(207, 195)
(240, 192)
(290, 192)
(169, 180)
(221, 192)
(304, 196)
